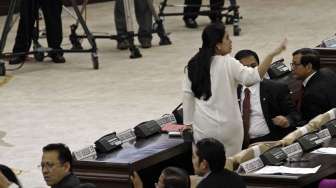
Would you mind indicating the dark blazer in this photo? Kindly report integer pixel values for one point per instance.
(69, 181)
(319, 94)
(222, 179)
(275, 100)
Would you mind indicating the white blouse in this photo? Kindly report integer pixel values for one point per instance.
(219, 117)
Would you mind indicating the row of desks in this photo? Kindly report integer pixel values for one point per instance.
(150, 156)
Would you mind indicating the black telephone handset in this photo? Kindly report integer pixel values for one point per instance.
(310, 141)
(107, 143)
(275, 156)
(329, 42)
(331, 126)
(278, 69)
(146, 129)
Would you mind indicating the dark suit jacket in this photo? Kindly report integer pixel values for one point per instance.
(69, 181)
(275, 100)
(222, 179)
(319, 94)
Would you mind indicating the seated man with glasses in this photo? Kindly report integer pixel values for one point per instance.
(267, 109)
(319, 86)
(56, 167)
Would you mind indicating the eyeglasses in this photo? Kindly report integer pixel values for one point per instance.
(294, 65)
(47, 165)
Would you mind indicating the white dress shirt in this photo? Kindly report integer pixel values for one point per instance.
(258, 124)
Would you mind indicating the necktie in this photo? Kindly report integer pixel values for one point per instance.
(246, 117)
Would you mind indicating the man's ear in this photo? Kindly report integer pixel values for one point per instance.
(67, 166)
(218, 46)
(309, 66)
(204, 165)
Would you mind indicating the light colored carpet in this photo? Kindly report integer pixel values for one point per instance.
(74, 104)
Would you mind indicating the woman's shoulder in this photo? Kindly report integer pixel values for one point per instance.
(225, 61)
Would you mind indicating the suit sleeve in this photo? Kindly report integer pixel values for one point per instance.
(287, 106)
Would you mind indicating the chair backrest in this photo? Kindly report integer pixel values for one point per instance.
(327, 183)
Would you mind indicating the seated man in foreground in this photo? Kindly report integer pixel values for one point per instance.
(209, 160)
(56, 167)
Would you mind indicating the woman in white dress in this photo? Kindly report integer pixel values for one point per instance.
(210, 103)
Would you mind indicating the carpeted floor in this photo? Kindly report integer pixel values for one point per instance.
(74, 104)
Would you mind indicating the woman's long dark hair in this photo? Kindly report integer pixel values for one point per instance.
(9, 174)
(199, 66)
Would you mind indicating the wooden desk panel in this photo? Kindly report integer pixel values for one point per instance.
(328, 168)
(328, 57)
(147, 156)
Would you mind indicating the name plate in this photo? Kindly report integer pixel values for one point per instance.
(86, 153)
(168, 118)
(250, 165)
(324, 134)
(126, 136)
(292, 150)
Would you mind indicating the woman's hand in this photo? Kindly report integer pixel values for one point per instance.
(280, 48)
(186, 127)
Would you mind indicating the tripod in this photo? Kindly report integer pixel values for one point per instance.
(128, 5)
(230, 18)
(38, 50)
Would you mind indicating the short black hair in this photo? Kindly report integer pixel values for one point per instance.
(9, 174)
(175, 178)
(213, 152)
(246, 53)
(309, 56)
(64, 153)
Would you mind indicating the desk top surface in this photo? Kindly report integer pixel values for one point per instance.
(327, 162)
(150, 151)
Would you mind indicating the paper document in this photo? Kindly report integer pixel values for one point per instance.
(327, 150)
(286, 170)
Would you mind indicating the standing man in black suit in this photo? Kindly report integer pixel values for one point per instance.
(193, 7)
(272, 112)
(52, 10)
(209, 160)
(319, 86)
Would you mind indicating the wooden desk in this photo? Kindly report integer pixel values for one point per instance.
(147, 156)
(328, 57)
(328, 168)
